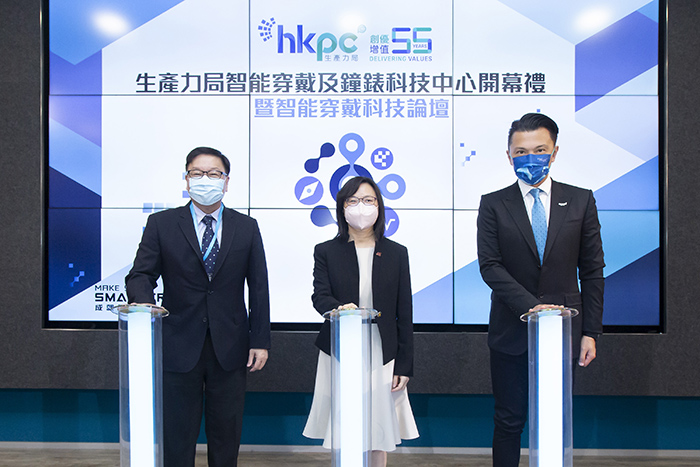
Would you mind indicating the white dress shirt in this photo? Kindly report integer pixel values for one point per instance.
(545, 197)
(201, 226)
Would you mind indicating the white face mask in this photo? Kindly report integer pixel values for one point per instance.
(361, 216)
(206, 191)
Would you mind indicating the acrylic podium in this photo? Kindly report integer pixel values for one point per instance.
(140, 385)
(351, 388)
(550, 378)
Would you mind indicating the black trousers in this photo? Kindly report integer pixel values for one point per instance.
(209, 388)
(509, 380)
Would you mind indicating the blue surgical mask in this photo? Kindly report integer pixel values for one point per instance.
(206, 191)
(532, 168)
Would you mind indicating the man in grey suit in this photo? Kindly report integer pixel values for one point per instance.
(536, 240)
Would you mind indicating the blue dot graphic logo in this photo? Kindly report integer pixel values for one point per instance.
(382, 158)
(345, 173)
(265, 29)
(309, 190)
(393, 186)
(391, 222)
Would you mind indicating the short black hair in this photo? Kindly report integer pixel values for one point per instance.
(349, 189)
(210, 152)
(532, 122)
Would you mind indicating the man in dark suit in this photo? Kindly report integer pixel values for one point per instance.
(204, 254)
(534, 246)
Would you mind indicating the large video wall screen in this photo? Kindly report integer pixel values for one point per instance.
(417, 96)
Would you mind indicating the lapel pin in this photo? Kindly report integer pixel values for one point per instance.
(563, 204)
(379, 253)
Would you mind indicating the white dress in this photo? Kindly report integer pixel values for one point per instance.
(392, 417)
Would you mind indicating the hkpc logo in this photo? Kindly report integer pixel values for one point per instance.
(298, 41)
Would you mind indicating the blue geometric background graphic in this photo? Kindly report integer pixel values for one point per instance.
(616, 75)
(614, 56)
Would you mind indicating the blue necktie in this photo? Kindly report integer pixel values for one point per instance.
(539, 223)
(206, 240)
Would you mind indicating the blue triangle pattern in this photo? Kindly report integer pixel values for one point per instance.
(472, 296)
(81, 114)
(638, 189)
(74, 238)
(614, 56)
(75, 157)
(75, 34)
(83, 78)
(67, 193)
(651, 10)
(433, 304)
(632, 293)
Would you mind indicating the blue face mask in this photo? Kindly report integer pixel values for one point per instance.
(532, 168)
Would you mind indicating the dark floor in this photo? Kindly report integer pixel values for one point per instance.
(34, 457)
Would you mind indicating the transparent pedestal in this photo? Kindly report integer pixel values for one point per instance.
(140, 385)
(550, 379)
(351, 388)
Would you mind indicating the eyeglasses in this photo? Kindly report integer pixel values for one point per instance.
(211, 174)
(367, 201)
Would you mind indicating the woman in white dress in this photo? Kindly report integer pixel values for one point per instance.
(360, 266)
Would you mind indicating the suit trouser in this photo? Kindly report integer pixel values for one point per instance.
(509, 379)
(221, 393)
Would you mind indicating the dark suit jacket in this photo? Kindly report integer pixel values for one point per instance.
(510, 264)
(337, 282)
(170, 249)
